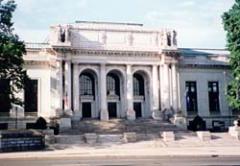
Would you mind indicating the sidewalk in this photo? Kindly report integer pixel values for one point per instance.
(221, 145)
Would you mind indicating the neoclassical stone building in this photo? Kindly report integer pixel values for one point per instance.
(103, 70)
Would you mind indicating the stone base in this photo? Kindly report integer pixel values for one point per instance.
(65, 123)
(131, 115)
(109, 138)
(168, 136)
(180, 122)
(129, 137)
(90, 138)
(234, 131)
(104, 115)
(204, 135)
(16, 111)
(157, 115)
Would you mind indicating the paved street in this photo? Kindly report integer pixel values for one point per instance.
(116, 161)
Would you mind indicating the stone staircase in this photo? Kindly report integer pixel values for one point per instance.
(119, 126)
(112, 131)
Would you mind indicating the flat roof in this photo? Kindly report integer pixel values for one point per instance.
(105, 22)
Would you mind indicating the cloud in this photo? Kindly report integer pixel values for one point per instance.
(188, 3)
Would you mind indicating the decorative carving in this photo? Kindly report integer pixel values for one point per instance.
(174, 38)
(169, 39)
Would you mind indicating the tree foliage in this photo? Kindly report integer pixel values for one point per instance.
(231, 22)
(11, 54)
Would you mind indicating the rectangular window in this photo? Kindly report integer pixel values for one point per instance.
(31, 96)
(191, 97)
(213, 96)
(5, 104)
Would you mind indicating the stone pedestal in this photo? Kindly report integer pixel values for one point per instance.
(234, 131)
(65, 123)
(204, 135)
(131, 115)
(168, 136)
(129, 137)
(180, 122)
(17, 111)
(49, 136)
(90, 138)
(104, 115)
(157, 115)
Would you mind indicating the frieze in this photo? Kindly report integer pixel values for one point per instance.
(76, 52)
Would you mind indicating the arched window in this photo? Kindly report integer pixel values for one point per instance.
(113, 84)
(138, 85)
(86, 84)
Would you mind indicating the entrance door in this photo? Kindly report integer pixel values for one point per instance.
(138, 109)
(86, 110)
(112, 110)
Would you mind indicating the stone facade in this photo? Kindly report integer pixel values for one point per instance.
(118, 70)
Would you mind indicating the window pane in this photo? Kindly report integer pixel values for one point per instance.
(191, 96)
(213, 96)
(86, 84)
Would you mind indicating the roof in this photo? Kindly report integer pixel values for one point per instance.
(202, 51)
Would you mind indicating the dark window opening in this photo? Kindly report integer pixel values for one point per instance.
(138, 85)
(113, 84)
(5, 103)
(191, 96)
(213, 96)
(138, 109)
(31, 96)
(112, 110)
(86, 110)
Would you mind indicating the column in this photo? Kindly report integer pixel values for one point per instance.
(155, 88)
(60, 86)
(131, 115)
(174, 88)
(164, 83)
(103, 94)
(68, 84)
(76, 96)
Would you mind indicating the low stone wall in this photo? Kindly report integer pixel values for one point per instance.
(21, 140)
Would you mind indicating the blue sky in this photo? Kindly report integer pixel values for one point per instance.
(198, 22)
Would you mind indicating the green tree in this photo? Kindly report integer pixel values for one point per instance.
(12, 49)
(231, 22)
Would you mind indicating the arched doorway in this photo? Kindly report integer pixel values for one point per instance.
(114, 93)
(87, 84)
(140, 94)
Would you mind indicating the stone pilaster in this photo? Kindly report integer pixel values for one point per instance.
(164, 83)
(174, 88)
(155, 88)
(131, 115)
(103, 94)
(68, 86)
(76, 96)
(60, 87)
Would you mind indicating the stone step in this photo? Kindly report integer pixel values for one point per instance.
(69, 139)
(110, 138)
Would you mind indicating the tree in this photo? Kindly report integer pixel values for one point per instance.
(12, 73)
(231, 22)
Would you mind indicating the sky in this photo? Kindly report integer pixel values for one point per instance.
(198, 22)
